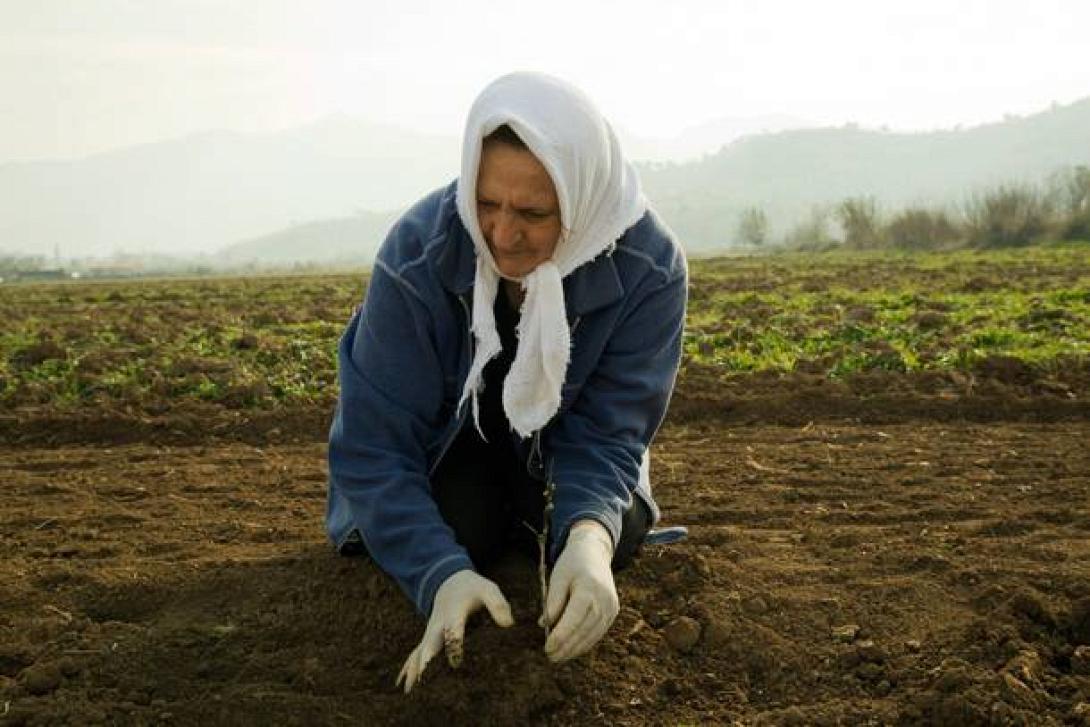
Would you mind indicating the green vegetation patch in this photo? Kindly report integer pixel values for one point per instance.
(267, 342)
(839, 314)
(240, 342)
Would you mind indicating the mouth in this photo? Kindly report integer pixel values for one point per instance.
(516, 253)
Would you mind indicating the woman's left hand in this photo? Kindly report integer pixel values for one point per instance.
(582, 599)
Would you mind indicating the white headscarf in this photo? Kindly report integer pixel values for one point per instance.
(600, 198)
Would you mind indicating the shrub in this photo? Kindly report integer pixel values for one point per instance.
(753, 227)
(917, 228)
(1070, 192)
(811, 233)
(858, 218)
(1006, 216)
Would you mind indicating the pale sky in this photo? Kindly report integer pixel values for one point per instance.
(83, 76)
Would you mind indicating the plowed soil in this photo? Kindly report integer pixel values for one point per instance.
(928, 567)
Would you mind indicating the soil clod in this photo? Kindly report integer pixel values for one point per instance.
(683, 633)
(42, 678)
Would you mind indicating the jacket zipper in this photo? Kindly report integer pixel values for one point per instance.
(534, 465)
(461, 415)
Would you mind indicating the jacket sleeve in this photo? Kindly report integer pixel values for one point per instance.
(596, 446)
(388, 412)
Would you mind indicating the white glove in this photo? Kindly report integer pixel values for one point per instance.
(581, 586)
(460, 595)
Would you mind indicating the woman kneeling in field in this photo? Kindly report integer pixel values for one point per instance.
(522, 326)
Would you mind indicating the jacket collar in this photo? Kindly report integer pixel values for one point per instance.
(592, 285)
(589, 287)
(457, 262)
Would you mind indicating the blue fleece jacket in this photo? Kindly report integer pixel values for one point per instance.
(403, 360)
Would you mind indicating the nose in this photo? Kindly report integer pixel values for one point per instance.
(503, 230)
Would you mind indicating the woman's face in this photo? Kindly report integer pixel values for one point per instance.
(517, 208)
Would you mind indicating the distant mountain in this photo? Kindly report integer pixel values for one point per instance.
(208, 190)
(341, 241)
(790, 172)
(310, 193)
(202, 192)
(707, 138)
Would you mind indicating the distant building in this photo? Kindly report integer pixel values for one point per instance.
(117, 268)
(52, 274)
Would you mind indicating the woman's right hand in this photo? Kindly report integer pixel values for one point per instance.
(460, 596)
(582, 601)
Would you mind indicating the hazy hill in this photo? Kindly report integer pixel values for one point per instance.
(348, 240)
(707, 138)
(789, 172)
(308, 193)
(208, 190)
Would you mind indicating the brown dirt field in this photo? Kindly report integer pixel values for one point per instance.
(1000, 390)
(933, 571)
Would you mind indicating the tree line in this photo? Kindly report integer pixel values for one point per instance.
(1007, 215)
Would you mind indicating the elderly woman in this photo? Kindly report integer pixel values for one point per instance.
(522, 325)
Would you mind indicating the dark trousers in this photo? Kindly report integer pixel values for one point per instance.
(490, 500)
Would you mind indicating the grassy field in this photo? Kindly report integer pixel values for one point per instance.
(841, 314)
(247, 343)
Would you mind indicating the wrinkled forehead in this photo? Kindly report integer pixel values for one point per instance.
(540, 165)
(506, 169)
